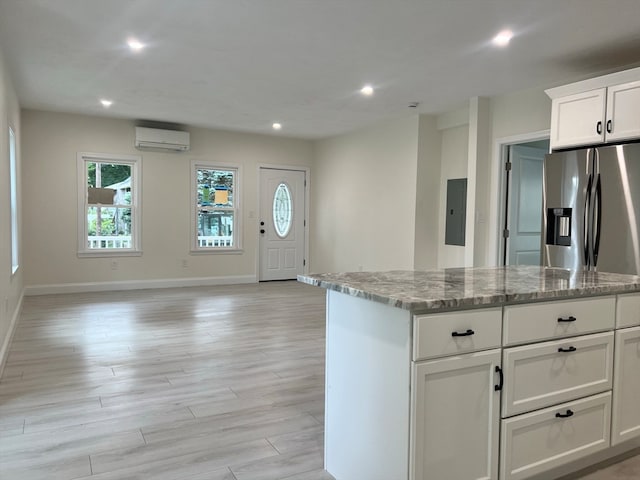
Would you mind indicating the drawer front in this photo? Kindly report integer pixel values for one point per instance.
(544, 374)
(548, 320)
(452, 333)
(536, 442)
(628, 310)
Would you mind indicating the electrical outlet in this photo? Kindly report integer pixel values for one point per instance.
(185, 263)
(114, 264)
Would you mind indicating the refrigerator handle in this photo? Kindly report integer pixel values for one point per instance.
(598, 220)
(586, 236)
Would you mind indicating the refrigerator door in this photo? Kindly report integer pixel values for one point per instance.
(565, 215)
(618, 229)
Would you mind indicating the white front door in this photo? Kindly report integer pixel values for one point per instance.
(282, 223)
(525, 206)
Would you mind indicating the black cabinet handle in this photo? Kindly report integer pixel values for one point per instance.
(566, 350)
(468, 333)
(599, 128)
(609, 126)
(565, 415)
(498, 387)
(261, 230)
(567, 319)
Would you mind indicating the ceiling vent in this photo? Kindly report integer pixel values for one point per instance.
(157, 139)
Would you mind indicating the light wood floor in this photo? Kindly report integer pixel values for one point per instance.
(219, 383)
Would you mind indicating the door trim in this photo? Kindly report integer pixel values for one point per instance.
(496, 210)
(295, 168)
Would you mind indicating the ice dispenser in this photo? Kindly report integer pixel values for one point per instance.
(559, 226)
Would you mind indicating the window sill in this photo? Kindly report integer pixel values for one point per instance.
(109, 253)
(217, 251)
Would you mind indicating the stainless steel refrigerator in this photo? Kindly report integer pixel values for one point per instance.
(591, 209)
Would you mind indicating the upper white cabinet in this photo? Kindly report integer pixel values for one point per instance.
(623, 105)
(600, 110)
(578, 119)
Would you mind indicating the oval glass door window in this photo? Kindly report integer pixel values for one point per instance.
(282, 210)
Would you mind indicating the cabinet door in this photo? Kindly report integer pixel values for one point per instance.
(455, 412)
(623, 104)
(578, 119)
(626, 386)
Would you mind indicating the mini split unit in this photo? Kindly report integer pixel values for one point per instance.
(157, 139)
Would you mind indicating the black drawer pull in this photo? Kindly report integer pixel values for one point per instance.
(568, 319)
(498, 387)
(468, 333)
(566, 350)
(565, 415)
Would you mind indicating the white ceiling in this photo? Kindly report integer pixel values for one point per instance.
(244, 64)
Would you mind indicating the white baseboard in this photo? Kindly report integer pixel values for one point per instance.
(4, 351)
(32, 290)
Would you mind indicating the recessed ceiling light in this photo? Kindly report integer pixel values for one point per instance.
(276, 126)
(106, 103)
(502, 39)
(367, 90)
(135, 45)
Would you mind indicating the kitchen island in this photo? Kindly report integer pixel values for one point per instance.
(479, 373)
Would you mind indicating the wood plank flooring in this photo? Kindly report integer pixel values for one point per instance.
(217, 383)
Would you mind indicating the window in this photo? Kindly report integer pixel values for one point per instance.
(282, 210)
(13, 173)
(108, 204)
(215, 218)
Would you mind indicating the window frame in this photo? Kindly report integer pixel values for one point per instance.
(135, 162)
(13, 201)
(236, 208)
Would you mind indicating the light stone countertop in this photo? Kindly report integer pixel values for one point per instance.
(472, 287)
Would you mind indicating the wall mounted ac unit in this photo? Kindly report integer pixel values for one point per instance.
(158, 139)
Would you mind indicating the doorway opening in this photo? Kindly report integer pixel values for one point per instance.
(521, 219)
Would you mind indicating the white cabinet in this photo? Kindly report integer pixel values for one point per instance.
(626, 386)
(544, 374)
(536, 442)
(453, 333)
(556, 403)
(455, 412)
(578, 119)
(562, 318)
(596, 116)
(628, 310)
(622, 119)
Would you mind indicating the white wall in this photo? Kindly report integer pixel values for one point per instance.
(364, 199)
(11, 286)
(51, 141)
(427, 194)
(454, 156)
